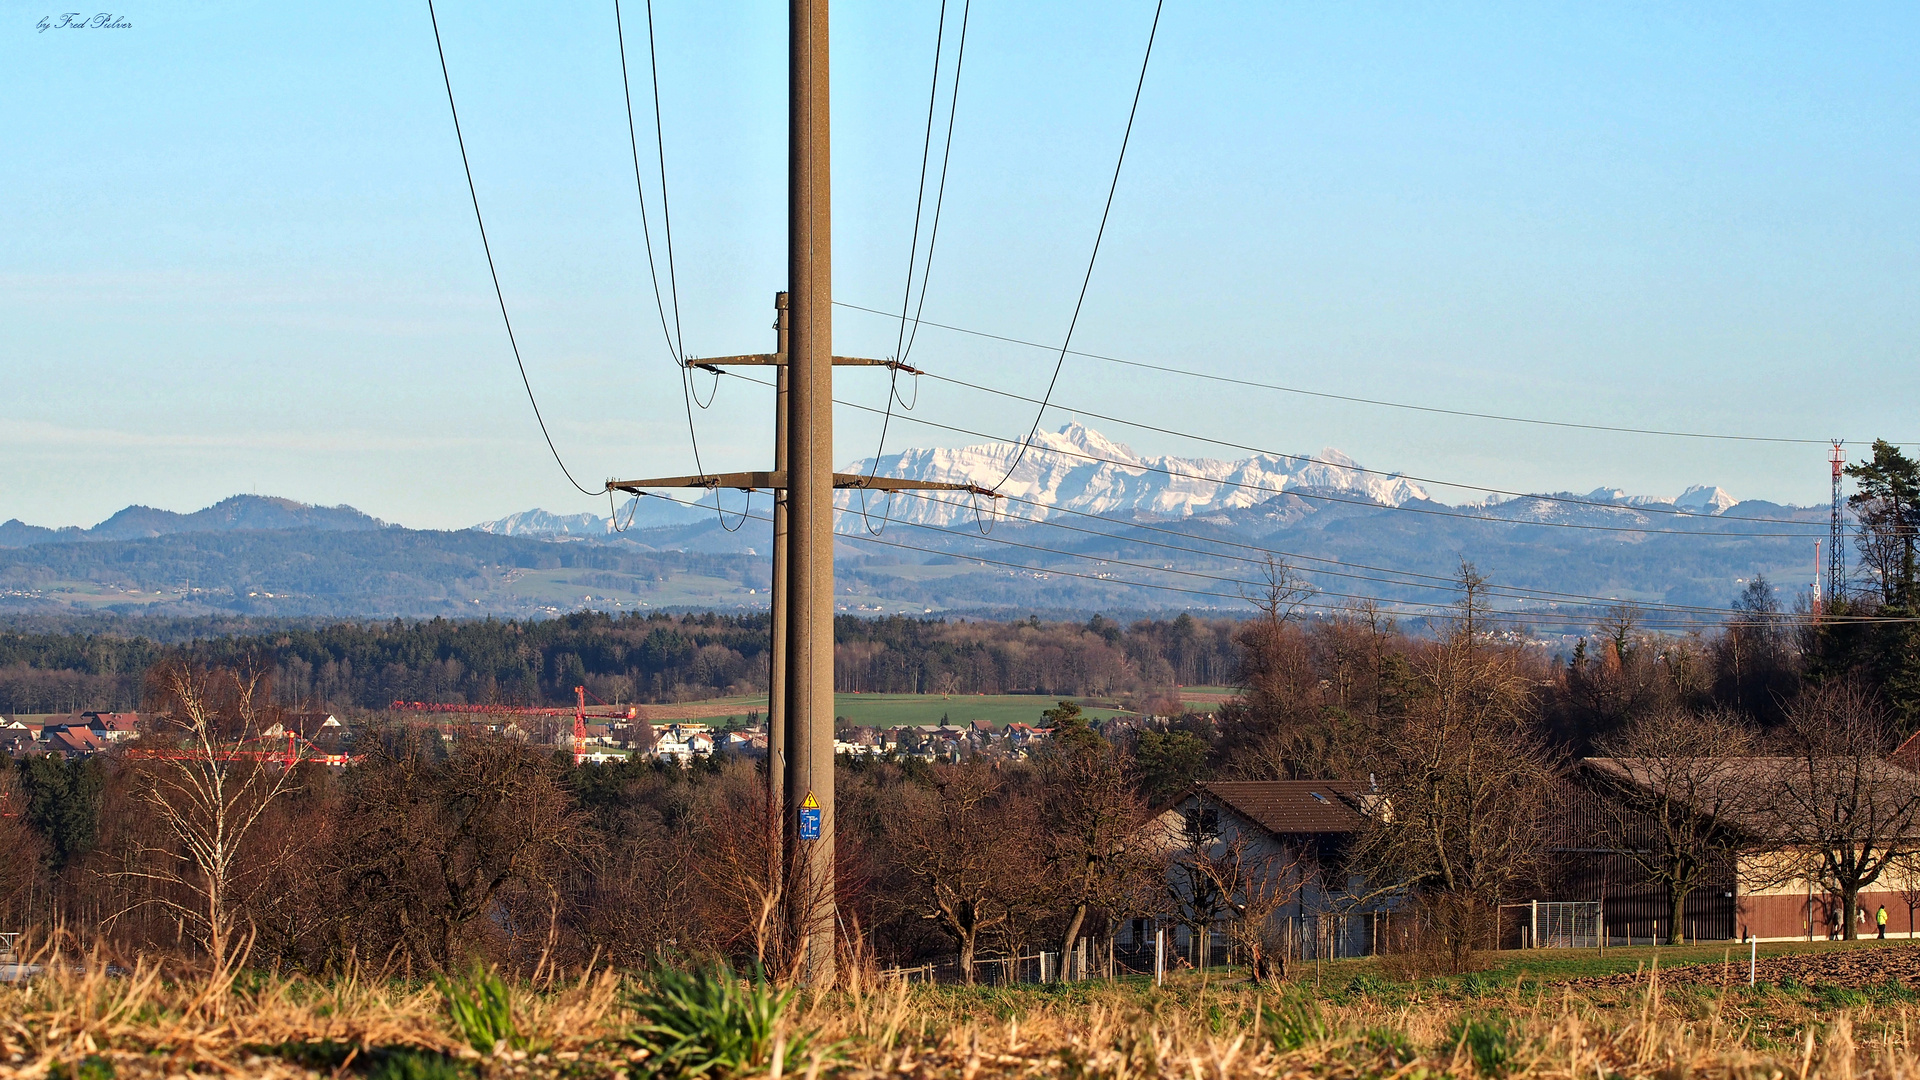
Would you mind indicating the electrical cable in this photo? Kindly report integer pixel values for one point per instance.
(1519, 618)
(492, 272)
(902, 354)
(646, 231)
(1322, 497)
(1317, 496)
(1309, 459)
(1097, 237)
(903, 345)
(1168, 369)
(1429, 581)
(666, 204)
(920, 192)
(674, 334)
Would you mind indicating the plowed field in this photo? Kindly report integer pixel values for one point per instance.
(1868, 965)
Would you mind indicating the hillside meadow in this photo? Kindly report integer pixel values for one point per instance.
(1632, 1013)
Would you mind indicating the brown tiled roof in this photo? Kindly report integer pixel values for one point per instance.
(1291, 806)
(1746, 788)
(115, 721)
(306, 724)
(76, 740)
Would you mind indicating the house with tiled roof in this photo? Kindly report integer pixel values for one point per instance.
(1273, 847)
(114, 726)
(70, 740)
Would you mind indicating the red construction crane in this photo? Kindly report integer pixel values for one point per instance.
(580, 713)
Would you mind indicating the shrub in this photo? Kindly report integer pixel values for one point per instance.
(1490, 1041)
(1391, 1042)
(482, 1009)
(709, 1021)
(1297, 1023)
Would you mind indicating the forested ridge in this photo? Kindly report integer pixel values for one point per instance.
(631, 657)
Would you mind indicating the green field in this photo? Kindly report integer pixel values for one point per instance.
(1510, 967)
(888, 710)
(885, 710)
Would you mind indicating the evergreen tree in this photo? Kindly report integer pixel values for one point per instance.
(1887, 506)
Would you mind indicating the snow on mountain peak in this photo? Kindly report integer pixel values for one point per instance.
(1704, 499)
(1078, 436)
(1080, 469)
(1698, 499)
(650, 513)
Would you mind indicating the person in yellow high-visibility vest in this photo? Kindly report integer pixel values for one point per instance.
(1881, 918)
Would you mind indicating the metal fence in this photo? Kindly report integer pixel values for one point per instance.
(1091, 958)
(1566, 925)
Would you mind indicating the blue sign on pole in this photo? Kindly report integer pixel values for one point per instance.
(810, 818)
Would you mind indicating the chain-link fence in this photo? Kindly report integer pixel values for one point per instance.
(1560, 924)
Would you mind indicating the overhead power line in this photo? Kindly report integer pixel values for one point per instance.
(670, 330)
(1323, 497)
(1401, 607)
(1307, 495)
(1431, 581)
(1099, 235)
(1308, 458)
(639, 190)
(492, 272)
(1423, 581)
(903, 341)
(1329, 396)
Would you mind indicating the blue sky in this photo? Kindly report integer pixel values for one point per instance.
(239, 254)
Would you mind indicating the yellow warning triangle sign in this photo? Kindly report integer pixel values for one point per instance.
(811, 803)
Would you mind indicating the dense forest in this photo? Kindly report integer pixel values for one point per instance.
(626, 658)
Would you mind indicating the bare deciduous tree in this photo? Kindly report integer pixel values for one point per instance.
(961, 840)
(1680, 785)
(1247, 883)
(1838, 801)
(208, 784)
(1464, 779)
(430, 843)
(1100, 860)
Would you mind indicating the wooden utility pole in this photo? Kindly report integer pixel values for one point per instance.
(777, 734)
(800, 699)
(810, 477)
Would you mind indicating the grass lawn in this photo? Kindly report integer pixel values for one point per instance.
(1511, 967)
(885, 710)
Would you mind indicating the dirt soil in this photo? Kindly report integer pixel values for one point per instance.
(1872, 965)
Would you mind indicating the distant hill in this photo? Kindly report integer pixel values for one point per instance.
(1166, 536)
(240, 512)
(636, 513)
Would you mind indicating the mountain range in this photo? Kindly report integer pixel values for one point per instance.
(1090, 526)
(240, 512)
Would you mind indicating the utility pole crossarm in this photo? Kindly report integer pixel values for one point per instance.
(776, 480)
(743, 481)
(890, 483)
(714, 363)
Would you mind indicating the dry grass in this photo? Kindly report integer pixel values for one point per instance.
(79, 1020)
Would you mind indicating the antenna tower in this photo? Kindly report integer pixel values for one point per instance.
(1836, 535)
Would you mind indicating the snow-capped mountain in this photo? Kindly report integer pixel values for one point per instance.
(1698, 499)
(1702, 499)
(652, 513)
(1077, 468)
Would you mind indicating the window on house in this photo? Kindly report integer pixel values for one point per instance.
(1201, 824)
